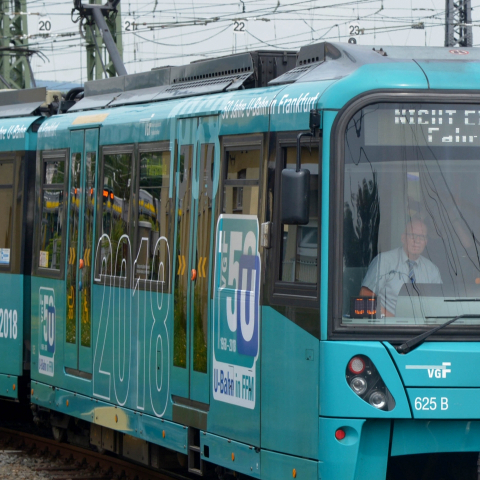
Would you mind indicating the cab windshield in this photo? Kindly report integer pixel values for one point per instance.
(411, 215)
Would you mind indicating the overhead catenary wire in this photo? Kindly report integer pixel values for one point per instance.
(203, 31)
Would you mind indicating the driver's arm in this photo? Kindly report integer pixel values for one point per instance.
(366, 292)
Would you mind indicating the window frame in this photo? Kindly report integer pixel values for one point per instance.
(293, 293)
(390, 333)
(237, 143)
(43, 157)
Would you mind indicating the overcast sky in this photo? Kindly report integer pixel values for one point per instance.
(177, 32)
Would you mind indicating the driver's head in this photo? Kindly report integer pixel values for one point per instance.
(414, 240)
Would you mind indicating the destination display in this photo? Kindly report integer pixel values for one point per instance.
(422, 124)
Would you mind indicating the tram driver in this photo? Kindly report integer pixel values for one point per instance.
(389, 271)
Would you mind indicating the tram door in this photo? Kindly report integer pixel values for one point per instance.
(197, 143)
(80, 250)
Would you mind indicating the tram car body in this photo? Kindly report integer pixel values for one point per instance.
(17, 180)
(177, 307)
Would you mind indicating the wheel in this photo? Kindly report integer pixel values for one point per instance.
(59, 434)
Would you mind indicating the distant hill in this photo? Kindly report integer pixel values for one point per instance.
(62, 86)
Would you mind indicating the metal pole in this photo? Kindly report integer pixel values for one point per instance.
(108, 40)
(99, 53)
(458, 23)
(32, 77)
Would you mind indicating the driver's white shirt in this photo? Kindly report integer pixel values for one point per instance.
(389, 271)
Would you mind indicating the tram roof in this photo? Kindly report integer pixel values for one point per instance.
(325, 76)
(337, 60)
(321, 61)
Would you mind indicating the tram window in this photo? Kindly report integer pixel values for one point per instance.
(6, 174)
(299, 244)
(204, 175)
(73, 239)
(411, 223)
(15, 260)
(241, 182)
(88, 228)
(153, 215)
(182, 240)
(117, 174)
(6, 211)
(54, 173)
(52, 212)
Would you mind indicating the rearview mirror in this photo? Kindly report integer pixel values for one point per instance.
(295, 196)
(296, 183)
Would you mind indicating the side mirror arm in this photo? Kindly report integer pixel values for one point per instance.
(299, 137)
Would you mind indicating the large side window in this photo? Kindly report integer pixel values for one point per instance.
(116, 212)
(53, 177)
(241, 185)
(298, 246)
(153, 213)
(19, 247)
(6, 210)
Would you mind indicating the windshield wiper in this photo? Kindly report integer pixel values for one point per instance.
(466, 299)
(419, 339)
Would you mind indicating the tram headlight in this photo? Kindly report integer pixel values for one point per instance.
(356, 365)
(365, 380)
(358, 385)
(377, 399)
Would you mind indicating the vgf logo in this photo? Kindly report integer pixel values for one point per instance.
(437, 371)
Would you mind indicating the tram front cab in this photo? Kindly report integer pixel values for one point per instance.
(405, 323)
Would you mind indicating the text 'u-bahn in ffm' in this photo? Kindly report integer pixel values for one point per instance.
(265, 265)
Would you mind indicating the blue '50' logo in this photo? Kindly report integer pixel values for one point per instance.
(247, 305)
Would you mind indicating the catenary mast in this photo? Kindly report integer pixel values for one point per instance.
(15, 69)
(458, 23)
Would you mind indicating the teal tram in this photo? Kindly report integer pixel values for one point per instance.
(265, 265)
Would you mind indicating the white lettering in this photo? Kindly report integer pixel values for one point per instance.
(282, 103)
(263, 106)
(437, 371)
(420, 113)
(430, 131)
(450, 112)
(48, 129)
(236, 239)
(467, 113)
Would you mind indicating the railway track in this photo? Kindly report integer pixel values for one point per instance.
(61, 461)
